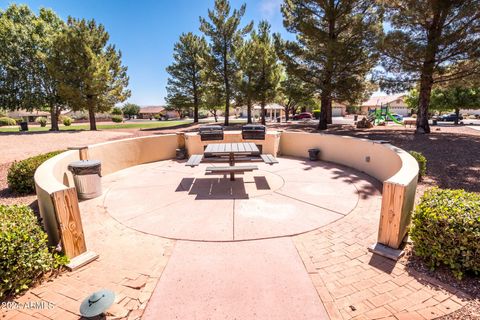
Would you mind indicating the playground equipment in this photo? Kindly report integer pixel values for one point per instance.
(379, 116)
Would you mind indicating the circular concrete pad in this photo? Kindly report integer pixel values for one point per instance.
(170, 200)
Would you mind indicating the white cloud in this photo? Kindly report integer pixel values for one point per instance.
(269, 8)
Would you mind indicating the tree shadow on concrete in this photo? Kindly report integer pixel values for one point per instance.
(350, 176)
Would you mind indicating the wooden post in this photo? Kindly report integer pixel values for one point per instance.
(69, 222)
(67, 213)
(395, 215)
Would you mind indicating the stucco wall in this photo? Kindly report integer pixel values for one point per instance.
(270, 145)
(53, 174)
(386, 163)
(383, 162)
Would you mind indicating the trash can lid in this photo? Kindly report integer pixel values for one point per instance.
(84, 167)
(85, 164)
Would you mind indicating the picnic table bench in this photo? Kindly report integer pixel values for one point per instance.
(231, 153)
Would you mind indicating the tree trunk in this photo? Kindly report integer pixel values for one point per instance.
(457, 113)
(91, 116)
(215, 115)
(54, 119)
(323, 121)
(195, 103)
(227, 86)
(329, 112)
(424, 100)
(249, 110)
(426, 78)
(287, 110)
(262, 108)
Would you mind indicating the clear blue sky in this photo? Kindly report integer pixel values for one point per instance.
(146, 30)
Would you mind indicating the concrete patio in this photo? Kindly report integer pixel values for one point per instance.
(288, 241)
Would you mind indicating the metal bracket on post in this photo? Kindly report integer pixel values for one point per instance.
(82, 151)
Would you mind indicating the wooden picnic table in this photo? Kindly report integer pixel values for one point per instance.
(232, 150)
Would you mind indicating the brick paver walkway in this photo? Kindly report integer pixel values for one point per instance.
(130, 264)
(351, 283)
(355, 284)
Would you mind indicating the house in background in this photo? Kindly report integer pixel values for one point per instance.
(150, 112)
(396, 104)
(28, 116)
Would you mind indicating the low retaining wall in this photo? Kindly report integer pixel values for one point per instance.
(394, 167)
(270, 145)
(53, 176)
(397, 169)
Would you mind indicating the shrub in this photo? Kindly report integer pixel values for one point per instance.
(6, 121)
(446, 229)
(117, 119)
(414, 116)
(67, 121)
(20, 174)
(422, 163)
(26, 256)
(42, 121)
(316, 113)
(117, 111)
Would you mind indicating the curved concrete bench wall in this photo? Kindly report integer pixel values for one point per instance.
(397, 169)
(394, 167)
(53, 176)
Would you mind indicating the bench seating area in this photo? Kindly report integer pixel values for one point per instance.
(268, 159)
(232, 170)
(194, 160)
(229, 169)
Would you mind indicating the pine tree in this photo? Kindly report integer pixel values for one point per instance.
(428, 37)
(89, 70)
(225, 36)
(186, 71)
(335, 47)
(269, 70)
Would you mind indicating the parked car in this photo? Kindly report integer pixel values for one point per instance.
(397, 117)
(451, 117)
(303, 115)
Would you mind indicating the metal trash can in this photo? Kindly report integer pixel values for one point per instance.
(313, 154)
(23, 126)
(86, 175)
(180, 153)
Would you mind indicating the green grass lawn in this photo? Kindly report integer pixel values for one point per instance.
(100, 126)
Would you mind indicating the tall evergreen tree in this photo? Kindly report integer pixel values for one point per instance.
(225, 35)
(269, 70)
(246, 86)
(89, 70)
(427, 38)
(186, 71)
(26, 41)
(335, 47)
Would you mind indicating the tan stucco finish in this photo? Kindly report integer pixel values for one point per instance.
(270, 145)
(384, 162)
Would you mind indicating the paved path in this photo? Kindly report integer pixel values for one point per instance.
(262, 279)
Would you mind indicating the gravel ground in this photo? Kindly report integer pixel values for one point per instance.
(18, 146)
